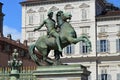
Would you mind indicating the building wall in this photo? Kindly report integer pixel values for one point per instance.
(75, 8)
(99, 62)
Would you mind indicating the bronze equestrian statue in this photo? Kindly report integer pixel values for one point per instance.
(67, 36)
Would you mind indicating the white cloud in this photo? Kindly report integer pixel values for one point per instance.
(14, 32)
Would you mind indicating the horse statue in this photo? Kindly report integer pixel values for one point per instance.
(45, 44)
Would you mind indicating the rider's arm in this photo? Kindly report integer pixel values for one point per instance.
(39, 27)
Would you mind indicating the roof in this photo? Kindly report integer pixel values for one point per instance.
(110, 13)
(28, 2)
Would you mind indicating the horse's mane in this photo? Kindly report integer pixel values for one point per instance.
(59, 18)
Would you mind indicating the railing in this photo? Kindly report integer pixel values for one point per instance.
(25, 73)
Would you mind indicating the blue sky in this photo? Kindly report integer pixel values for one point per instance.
(12, 20)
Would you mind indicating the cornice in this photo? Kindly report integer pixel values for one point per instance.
(32, 3)
(108, 18)
(90, 59)
(103, 34)
(84, 5)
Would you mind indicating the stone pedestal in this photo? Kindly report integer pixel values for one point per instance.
(62, 72)
(14, 76)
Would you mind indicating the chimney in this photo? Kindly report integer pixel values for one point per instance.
(1, 19)
(25, 42)
(9, 36)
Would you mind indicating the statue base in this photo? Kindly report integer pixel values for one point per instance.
(14, 76)
(62, 72)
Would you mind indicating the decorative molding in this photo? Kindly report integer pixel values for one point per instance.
(118, 34)
(53, 8)
(83, 5)
(68, 6)
(30, 11)
(42, 9)
(102, 34)
(86, 34)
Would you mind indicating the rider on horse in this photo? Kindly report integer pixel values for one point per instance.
(51, 31)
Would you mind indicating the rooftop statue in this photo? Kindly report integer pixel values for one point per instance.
(56, 40)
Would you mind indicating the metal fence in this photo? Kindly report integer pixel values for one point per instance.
(25, 73)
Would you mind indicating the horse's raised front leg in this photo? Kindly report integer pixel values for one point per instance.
(75, 40)
(88, 42)
(81, 38)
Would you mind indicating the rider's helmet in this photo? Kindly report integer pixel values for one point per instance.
(50, 12)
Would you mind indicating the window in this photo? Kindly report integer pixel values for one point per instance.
(103, 46)
(104, 75)
(118, 27)
(83, 48)
(85, 29)
(69, 49)
(42, 16)
(102, 29)
(42, 32)
(118, 76)
(118, 45)
(84, 14)
(89, 77)
(31, 36)
(69, 11)
(68, 8)
(30, 19)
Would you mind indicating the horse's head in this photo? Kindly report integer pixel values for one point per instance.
(59, 13)
(67, 16)
(64, 16)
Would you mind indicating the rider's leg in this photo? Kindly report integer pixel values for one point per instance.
(58, 43)
(56, 35)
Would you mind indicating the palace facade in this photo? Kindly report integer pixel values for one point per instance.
(97, 19)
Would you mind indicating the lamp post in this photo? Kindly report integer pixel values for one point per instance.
(15, 65)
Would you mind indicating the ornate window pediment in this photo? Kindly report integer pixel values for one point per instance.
(42, 9)
(83, 5)
(104, 34)
(30, 11)
(53, 8)
(68, 6)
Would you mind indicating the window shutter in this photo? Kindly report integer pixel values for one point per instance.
(65, 50)
(118, 76)
(73, 48)
(109, 77)
(89, 77)
(108, 45)
(117, 45)
(99, 77)
(81, 48)
(98, 46)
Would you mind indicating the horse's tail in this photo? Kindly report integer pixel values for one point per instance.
(33, 56)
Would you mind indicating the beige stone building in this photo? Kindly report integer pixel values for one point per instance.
(98, 19)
